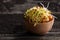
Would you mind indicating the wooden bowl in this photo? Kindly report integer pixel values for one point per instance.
(41, 28)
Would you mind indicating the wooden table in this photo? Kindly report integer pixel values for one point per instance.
(54, 34)
(12, 27)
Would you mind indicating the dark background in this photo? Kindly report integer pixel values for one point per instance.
(12, 21)
(22, 5)
(11, 13)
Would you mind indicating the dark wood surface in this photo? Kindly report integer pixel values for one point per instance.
(17, 31)
(12, 28)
